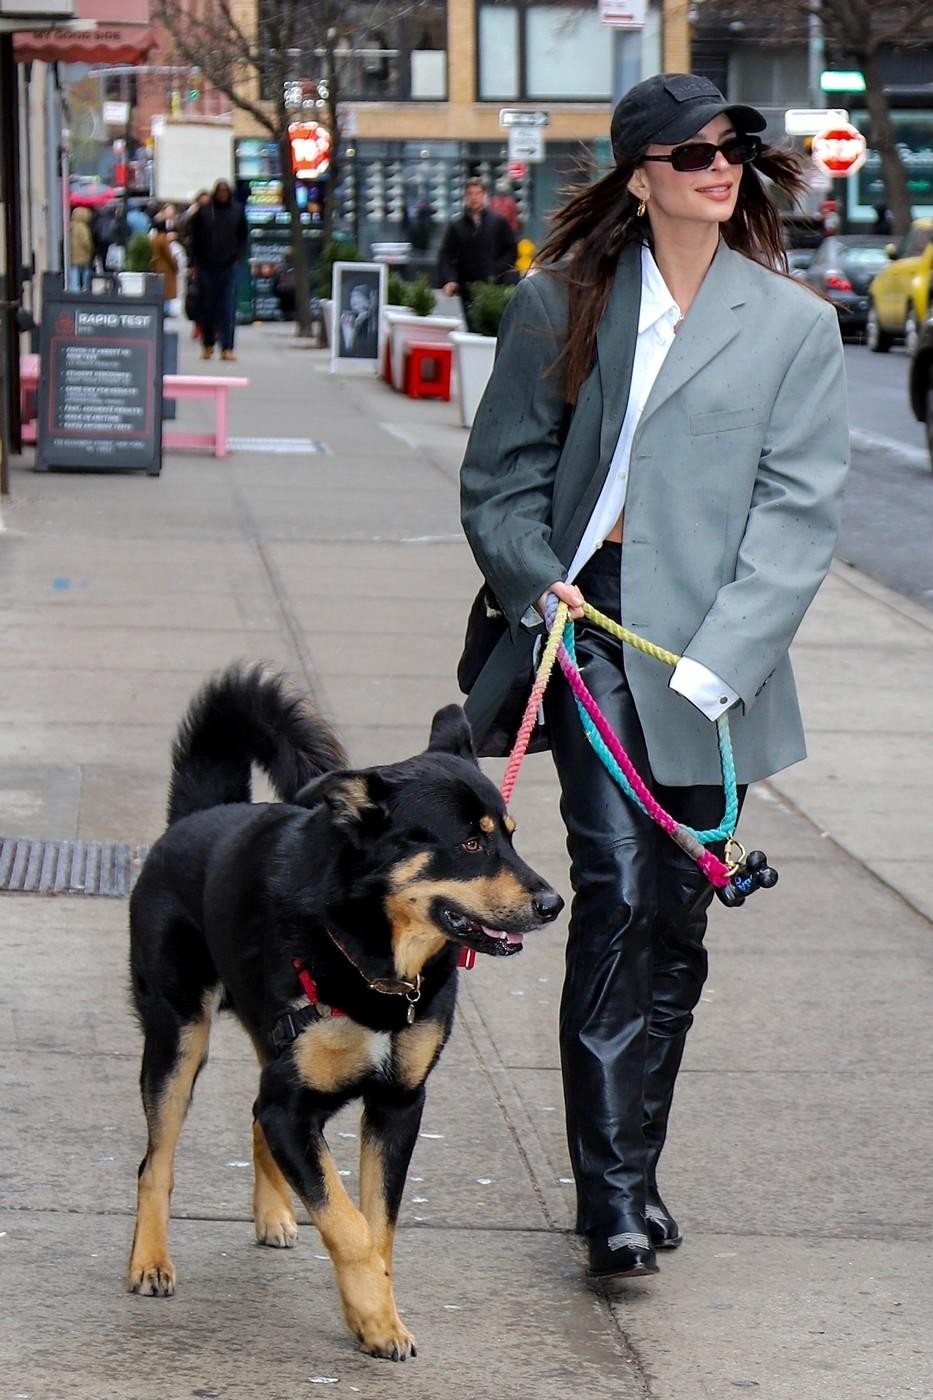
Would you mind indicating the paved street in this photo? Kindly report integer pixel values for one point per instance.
(888, 516)
(798, 1163)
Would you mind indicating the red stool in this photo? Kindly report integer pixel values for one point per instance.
(427, 371)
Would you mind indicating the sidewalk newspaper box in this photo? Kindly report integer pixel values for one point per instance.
(100, 390)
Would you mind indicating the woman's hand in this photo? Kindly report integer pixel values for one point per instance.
(567, 593)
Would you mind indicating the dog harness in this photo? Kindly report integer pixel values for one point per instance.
(290, 1024)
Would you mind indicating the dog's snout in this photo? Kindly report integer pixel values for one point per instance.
(547, 905)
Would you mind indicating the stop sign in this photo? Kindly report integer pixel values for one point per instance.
(839, 150)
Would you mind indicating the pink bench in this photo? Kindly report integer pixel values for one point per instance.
(174, 386)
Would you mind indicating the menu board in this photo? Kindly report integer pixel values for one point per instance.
(100, 387)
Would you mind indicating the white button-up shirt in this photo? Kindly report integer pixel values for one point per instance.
(657, 318)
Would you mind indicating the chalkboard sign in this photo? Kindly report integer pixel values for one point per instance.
(100, 385)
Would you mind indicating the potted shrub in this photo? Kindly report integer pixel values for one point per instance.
(475, 350)
(137, 262)
(412, 323)
(421, 297)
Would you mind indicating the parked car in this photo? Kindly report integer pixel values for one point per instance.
(900, 293)
(842, 268)
(798, 260)
(921, 380)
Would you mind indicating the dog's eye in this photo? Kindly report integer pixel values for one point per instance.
(473, 845)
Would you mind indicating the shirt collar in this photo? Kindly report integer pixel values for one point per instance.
(656, 300)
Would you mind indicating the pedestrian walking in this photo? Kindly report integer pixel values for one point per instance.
(218, 235)
(479, 246)
(80, 250)
(664, 436)
(192, 292)
(165, 256)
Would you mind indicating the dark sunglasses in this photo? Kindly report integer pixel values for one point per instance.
(699, 155)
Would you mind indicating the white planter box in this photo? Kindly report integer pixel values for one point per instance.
(473, 360)
(404, 329)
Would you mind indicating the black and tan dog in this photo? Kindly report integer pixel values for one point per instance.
(330, 924)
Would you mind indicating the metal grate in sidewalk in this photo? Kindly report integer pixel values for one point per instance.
(103, 868)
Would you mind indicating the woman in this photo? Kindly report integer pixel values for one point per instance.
(164, 256)
(81, 250)
(664, 436)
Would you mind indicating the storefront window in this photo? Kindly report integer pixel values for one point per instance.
(531, 51)
(498, 51)
(380, 57)
(567, 53)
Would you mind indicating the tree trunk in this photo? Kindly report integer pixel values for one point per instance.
(884, 141)
(333, 121)
(299, 245)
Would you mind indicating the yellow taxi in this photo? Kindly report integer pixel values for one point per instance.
(900, 292)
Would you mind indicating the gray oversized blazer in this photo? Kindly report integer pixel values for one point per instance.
(732, 506)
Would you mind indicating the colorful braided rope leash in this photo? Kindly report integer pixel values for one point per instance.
(734, 878)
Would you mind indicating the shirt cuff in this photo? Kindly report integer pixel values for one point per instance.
(702, 687)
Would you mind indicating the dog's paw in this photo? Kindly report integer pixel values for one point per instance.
(153, 1280)
(392, 1343)
(277, 1229)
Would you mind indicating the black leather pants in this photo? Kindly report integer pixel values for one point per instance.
(635, 963)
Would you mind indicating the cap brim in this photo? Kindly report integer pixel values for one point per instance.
(688, 123)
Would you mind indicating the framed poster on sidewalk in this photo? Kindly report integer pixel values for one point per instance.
(359, 296)
(100, 381)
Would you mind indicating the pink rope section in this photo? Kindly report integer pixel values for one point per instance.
(523, 737)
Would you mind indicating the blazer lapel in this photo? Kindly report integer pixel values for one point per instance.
(615, 348)
(707, 328)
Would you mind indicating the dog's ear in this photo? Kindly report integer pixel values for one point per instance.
(451, 733)
(354, 798)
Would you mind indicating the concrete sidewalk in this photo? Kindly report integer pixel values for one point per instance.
(801, 1135)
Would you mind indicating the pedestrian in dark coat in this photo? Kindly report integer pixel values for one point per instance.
(217, 235)
(664, 437)
(479, 246)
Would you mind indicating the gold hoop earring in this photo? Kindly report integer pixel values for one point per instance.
(642, 206)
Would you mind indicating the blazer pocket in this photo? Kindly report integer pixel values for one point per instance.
(728, 420)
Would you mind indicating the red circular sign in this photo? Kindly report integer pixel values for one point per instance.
(839, 150)
(311, 145)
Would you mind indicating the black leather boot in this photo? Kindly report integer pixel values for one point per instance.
(679, 967)
(620, 1250)
(664, 1056)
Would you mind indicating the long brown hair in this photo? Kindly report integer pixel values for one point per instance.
(598, 222)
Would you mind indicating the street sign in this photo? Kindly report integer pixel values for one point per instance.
(526, 143)
(518, 116)
(834, 80)
(623, 14)
(839, 150)
(802, 121)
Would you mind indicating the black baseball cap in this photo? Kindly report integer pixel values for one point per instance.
(672, 107)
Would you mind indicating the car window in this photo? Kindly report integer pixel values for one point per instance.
(866, 257)
(917, 240)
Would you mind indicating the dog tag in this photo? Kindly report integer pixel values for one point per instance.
(411, 1013)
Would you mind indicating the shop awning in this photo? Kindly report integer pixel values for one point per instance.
(120, 34)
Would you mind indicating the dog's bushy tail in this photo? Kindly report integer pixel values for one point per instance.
(242, 716)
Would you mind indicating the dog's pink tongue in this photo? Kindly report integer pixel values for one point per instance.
(513, 938)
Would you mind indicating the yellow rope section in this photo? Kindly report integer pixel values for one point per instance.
(615, 629)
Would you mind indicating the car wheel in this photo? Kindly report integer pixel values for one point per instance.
(911, 332)
(876, 339)
(930, 420)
